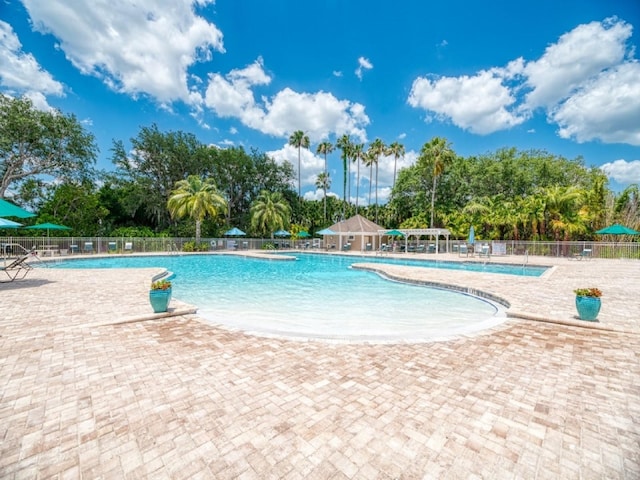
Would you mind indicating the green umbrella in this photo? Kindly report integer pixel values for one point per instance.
(303, 234)
(617, 229)
(8, 209)
(395, 233)
(48, 226)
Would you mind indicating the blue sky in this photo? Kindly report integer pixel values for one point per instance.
(561, 76)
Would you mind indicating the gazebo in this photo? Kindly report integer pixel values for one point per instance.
(357, 231)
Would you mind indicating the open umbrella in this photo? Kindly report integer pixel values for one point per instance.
(303, 234)
(281, 233)
(4, 223)
(617, 229)
(394, 233)
(325, 231)
(48, 226)
(234, 232)
(8, 209)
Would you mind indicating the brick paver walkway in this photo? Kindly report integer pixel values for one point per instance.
(87, 392)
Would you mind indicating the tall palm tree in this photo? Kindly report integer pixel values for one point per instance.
(344, 144)
(324, 182)
(369, 160)
(195, 198)
(299, 140)
(357, 154)
(377, 148)
(325, 148)
(397, 150)
(436, 155)
(269, 212)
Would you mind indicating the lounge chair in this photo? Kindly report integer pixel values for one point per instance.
(113, 246)
(432, 248)
(463, 250)
(484, 251)
(128, 247)
(585, 254)
(346, 247)
(88, 247)
(421, 248)
(19, 267)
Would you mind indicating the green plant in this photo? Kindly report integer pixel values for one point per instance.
(161, 285)
(268, 246)
(587, 292)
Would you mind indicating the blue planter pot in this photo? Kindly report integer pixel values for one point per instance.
(588, 307)
(160, 300)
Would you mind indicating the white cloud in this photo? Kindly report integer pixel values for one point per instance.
(142, 47)
(20, 72)
(478, 104)
(575, 58)
(337, 73)
(317, 114)
(605, 108)
(363, 64)
(310, 164)
(587, 83)
(622, 171)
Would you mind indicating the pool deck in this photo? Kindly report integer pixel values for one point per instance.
(92, 385)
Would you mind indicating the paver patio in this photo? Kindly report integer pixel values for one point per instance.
(93, 386)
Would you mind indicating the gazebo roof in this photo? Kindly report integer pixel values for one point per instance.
(356, 224)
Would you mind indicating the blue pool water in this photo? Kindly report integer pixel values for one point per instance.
(314, 296)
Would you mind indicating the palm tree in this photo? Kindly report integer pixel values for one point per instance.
(299, 140)
(344, 144)
(397, 150)
(436, 154)
(324, 182)
(376, 149)
(369, 159)
(195, 198)
(357, 154)
(269, 212)
(325, 148)
(561, 210)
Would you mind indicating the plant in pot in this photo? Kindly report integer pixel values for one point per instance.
(160, 295)
(588, 303)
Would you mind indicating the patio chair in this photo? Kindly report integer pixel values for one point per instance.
(585, 254)
(113, 246)
(463, 250)
(19, 267)
(128, 247)
(346, 247)
(421, 248)
(484, 251)
(88, 247)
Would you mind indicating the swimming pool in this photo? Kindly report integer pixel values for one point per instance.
(314, 297)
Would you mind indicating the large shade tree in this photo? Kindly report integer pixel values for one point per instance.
(269, 212)
(299, 140)
(34, 143)
(195, 198)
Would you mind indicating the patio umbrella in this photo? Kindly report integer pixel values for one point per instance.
(395, 233)
(617, 229)
(325, 231)
(234, 232)
(48, 226)
(8, 209)
(472, 236)
(4, 223)
(303, 234)
(281, 233)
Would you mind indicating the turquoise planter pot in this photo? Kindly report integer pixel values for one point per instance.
(160, 300)
(588, 308)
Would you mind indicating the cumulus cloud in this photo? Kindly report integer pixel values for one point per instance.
(586, 83)
(310, 164)
(622, 171)
(317, 114)
(594, 113)
(20, 72)
(363, 64)
(142, 47)
(577, 56)
(479, 104)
